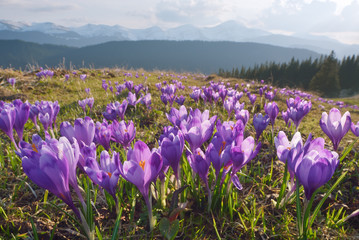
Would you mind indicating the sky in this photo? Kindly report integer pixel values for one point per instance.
(338, 19)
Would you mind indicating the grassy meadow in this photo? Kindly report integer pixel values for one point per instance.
(28, 211)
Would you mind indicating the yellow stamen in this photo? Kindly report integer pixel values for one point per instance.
(288, 148)
(62, 195)
(109, 174)
(126, 130)
(142, 164)
(222, 148)
(34, 148)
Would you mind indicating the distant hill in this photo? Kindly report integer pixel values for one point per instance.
(194, 56)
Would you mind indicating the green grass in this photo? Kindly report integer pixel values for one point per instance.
(248, 214)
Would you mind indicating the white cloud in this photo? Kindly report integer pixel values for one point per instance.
(287, 16)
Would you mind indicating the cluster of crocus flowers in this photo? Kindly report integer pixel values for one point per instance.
(51, 164)
(311, 163)
(115, 110)
(48, 113)
(107, 174)
(86, 102)
(13, 116)
(197, 128)
(297, 109)
(169, 94)
(45, 73)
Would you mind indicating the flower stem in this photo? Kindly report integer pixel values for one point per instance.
(163, 193)
(148, 201)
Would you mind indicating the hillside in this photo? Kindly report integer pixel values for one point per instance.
(194, 56)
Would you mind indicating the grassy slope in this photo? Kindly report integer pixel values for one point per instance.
(20, 203)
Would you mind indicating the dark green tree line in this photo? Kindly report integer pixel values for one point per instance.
(326, 75)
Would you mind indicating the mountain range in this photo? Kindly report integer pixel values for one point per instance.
(90, 34)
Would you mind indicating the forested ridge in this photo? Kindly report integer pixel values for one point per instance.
(326, 75)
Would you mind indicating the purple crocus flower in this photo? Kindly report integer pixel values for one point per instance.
(176, 116)
(129, 85)
(195, 95)
(12, 81)
(48, 113)
(315, 166)
(107, 174)
(104, 85)
(83, 130)
(114, 110)
(297, 109)
(260, 123)
(164, 99)
(238, 106)
(285, 117)
(146, 100)
(45, 120)
(200, 165)
(22, 115)
(355, 128)
(223, 92)
(218, 152)
(287, 151)
(138, 88)
(67, 76)
(241, 153)
(215, 96)
(132, 99)
(272, 110)
(90, 102)
(50, 165)
(123, 133)
(260, 91)
(7, 121)
(229, 105)
(283, 145)
(82, 104)
(242, 115)
(158, 86)
(103, 133)
(141, 168)
(88, 90)
(198, 129)
(34, 112)
(335, 125)
(121, 109)
(171, 148)
(180, 100)
(238, 96)
(252, 97)
(269, 95)
(83, 77)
